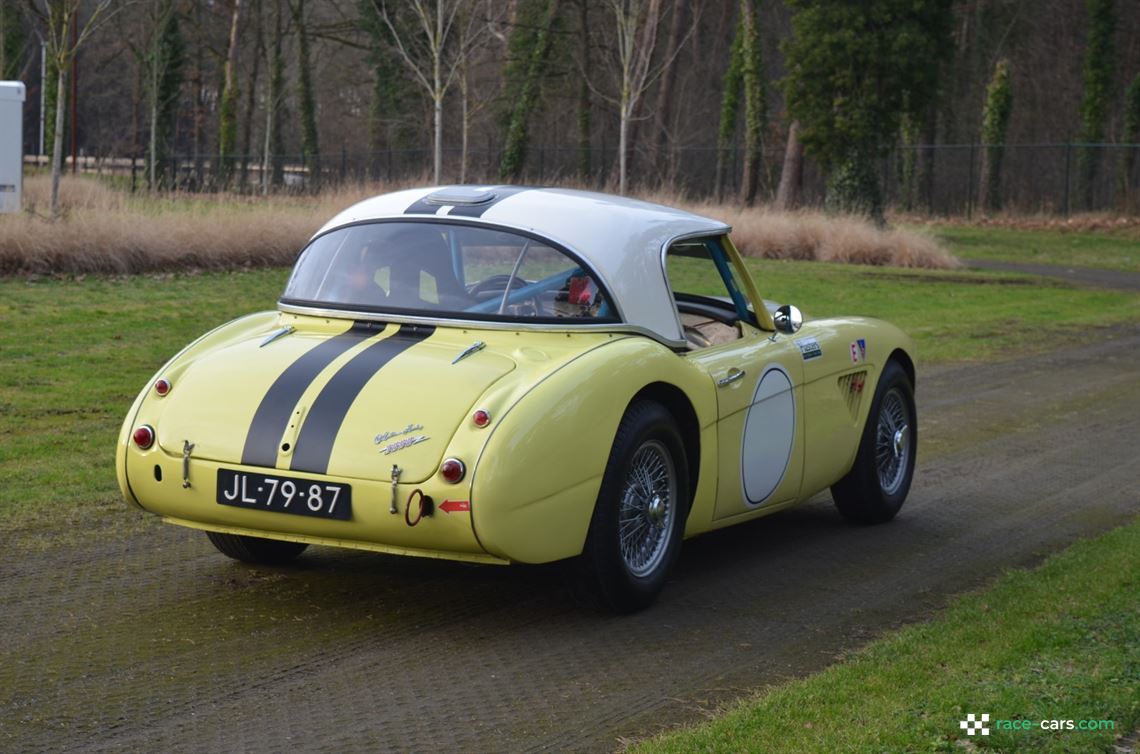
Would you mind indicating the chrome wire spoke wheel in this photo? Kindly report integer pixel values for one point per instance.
(647, 508)
(893, 447)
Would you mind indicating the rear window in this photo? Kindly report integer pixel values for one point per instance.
(445, 270)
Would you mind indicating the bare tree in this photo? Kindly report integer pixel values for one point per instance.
(633, 68)
(63, 36)
(433, 49)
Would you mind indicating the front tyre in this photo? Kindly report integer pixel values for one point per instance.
(875, 488)
(256, 549)
(635, 533)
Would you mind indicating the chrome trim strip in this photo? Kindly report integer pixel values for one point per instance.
(471, 324)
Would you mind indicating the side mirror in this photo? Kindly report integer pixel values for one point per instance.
(788, 319)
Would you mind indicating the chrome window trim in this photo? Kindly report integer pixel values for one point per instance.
(470, 324)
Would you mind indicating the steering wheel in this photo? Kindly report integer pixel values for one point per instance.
(497, 284)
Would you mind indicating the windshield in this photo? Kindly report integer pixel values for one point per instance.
(445, 270)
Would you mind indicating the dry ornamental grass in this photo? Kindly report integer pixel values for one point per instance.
(111, 232)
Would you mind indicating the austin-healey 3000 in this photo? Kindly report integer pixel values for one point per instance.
(514, 375)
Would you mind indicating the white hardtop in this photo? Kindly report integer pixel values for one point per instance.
(622, 240)
(12, 90)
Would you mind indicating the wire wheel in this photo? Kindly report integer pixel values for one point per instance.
(648, 506)
(893, 447)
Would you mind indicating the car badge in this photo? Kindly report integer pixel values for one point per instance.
(383, 437)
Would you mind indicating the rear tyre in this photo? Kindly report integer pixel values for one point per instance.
(256, 549)
(875, 488)
(635, 532)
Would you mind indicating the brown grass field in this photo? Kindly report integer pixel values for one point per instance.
(105, 231)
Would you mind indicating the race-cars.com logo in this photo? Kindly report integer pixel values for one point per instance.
(980, 725)
(974, 725)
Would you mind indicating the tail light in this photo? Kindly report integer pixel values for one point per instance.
(144, 436)
(453, 470)
(481, 417)
(162, 386)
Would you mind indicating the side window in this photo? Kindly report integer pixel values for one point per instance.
(709, 297)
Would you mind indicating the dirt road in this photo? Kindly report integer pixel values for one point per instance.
(151, 641)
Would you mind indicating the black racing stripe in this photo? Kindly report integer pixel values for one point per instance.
(322, 424)
(477, 210)
(422, 207)
(276, 408)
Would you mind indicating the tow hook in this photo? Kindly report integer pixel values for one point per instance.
(426, 507)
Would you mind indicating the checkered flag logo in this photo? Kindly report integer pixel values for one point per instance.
(973, 724)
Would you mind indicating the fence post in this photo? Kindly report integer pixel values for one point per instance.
(134, 172)
(1068, 160)
(343, 163)
(970, 186)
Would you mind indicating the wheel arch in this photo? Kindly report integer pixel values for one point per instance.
(678, 405)
(905, 361)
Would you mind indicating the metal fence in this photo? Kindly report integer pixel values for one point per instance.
(934, 180)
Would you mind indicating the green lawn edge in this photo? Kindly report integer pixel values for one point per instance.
(1057, 642)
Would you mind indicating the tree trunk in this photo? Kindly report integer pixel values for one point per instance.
(57, 141)
(466, 122)
(527, 98)
(271, 174)
(729, 104)
(251, 94)
(792, 174)
(754, 110)
(437, 151)
(227, 113)
(584, 93)
(668, 86)
(623, 143)
(310, 144)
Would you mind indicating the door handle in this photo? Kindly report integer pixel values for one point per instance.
(733, 375)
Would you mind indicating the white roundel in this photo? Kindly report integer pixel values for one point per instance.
(769, 430)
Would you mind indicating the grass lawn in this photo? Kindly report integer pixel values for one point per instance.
(1061, 642)
(76, 352)
(1104, 250)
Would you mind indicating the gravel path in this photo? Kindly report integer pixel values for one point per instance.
(151, 641)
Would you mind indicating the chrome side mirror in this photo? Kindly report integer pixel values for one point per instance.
(788, 319)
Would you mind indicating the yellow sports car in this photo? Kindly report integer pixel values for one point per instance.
(504, 374)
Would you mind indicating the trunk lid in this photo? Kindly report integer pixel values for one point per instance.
(328, 401)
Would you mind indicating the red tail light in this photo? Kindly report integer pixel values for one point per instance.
(453, 470)
(481, 418)
(162, 386)
(144, 436)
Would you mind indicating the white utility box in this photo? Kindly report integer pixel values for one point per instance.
(11, 145)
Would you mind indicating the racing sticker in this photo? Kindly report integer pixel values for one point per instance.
(858, 351)
(769, 433)
(809, 348)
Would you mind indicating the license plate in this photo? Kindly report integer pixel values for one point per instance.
(304, 497)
